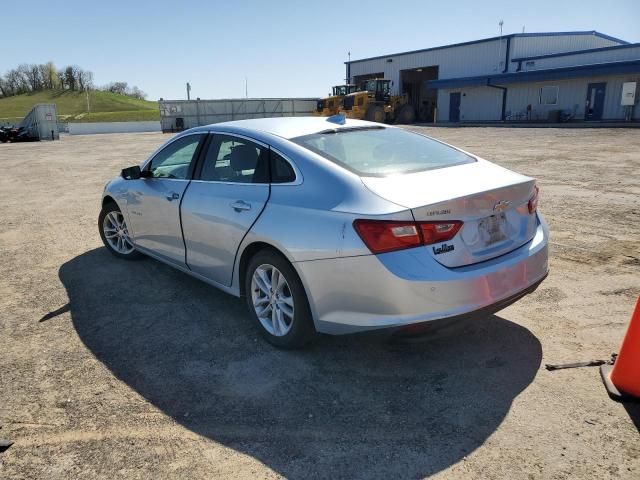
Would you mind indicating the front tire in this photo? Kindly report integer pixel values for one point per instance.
(277, 301)
(375, 113)
(114, 233)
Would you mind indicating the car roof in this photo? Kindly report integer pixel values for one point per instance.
(289, 127)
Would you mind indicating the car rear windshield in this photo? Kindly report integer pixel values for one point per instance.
(380, 151)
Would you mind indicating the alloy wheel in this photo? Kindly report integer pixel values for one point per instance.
(272, 300)
(116, 233)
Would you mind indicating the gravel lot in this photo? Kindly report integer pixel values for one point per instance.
(111, 369)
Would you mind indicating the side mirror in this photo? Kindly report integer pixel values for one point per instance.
(131, 173)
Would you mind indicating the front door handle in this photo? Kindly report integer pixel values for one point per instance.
(240, 205)
(173, 196)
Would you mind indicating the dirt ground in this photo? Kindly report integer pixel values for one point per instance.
(112, 369)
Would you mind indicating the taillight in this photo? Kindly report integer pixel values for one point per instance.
(435, 232)
(386, 236)
(382, 236)
(533, 201)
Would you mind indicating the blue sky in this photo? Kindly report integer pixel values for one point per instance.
(284, 48)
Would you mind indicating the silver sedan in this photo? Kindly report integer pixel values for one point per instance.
(332, 225)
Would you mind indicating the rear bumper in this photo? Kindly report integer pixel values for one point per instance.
(416, 328)
(408, 287)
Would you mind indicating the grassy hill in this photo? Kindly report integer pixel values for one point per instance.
(72, 106)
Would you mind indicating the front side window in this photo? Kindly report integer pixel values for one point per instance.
(381, 151)
(175, 159)
(235, 159)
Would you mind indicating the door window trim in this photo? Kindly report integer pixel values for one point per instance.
(197, 171)
(194, 161)
(298, 179)
(212, 133)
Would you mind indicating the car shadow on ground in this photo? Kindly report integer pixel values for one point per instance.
(355, 407)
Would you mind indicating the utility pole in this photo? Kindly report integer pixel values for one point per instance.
(246, 88)
(86, 90)
(188, 91)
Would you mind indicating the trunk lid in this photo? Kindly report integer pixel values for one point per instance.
(491, 201)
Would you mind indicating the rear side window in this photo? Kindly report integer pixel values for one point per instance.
(236, 160)
(380, 151)
(281, 170)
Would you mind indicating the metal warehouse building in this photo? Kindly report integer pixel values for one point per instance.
(519, 77)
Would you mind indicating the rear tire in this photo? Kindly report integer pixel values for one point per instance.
(405, 114)
(277, 301)
(114, 233)
(375, 113)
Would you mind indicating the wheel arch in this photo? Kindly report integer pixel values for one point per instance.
(108, 199)
(247, 253)
(257, 245)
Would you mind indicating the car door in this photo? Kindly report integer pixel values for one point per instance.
(154, 200)
(222, 203)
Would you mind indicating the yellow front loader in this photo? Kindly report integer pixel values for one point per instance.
(374, 102)
(331, 105)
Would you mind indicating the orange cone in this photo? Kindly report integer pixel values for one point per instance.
(622, 380)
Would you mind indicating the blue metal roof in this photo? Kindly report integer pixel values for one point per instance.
(490, 39)
(609, 68)
(576, 52)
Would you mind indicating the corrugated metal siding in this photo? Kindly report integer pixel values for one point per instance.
(476, 104)
(584, 59)
(371, 66)
(481, 103)
(42, 121)
(484, 103)
(443, 105)
(468, 60)
(542, 45)
(476, 59)
(572, 96)
(204, 112)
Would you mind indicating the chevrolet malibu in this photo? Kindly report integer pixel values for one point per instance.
(332, 225)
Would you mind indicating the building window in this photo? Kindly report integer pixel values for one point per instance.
(549, 95)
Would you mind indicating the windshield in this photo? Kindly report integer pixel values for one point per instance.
(377, 85)
(343, 89)
(380, 151)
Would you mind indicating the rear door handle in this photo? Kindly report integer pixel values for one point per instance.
(240, 205)
(173, 196)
